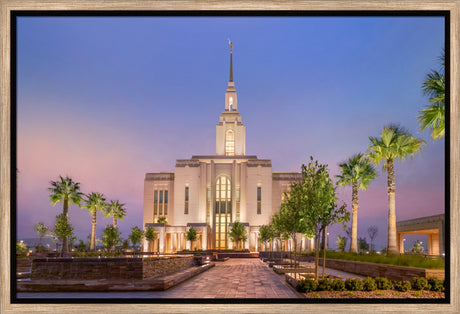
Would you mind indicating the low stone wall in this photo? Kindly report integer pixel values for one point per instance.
(391, 272)
(274, 254)
(238, 255)
(153, 266)
(106, 268)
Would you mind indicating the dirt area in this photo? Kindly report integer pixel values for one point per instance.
(378, 294)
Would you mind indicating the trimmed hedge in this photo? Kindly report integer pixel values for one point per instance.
(420, 283)
(353, 284)
(402, 286)
(383, 283)
(369, 284)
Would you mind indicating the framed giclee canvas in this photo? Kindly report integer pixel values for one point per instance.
(118, 101)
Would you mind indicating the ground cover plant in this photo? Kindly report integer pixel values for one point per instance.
(371, 288)
(400, 260)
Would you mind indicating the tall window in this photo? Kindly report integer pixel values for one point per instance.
(259, 200)
(161, 203)
(208, 205)
(155, 203)
(223, 211)
(165, 206)
(186, 201)
(230, 143)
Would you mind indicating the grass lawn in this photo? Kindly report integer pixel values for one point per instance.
(401, 260)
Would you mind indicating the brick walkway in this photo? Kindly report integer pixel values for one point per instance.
(235, 278)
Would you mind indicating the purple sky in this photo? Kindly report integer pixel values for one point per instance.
(105, 100)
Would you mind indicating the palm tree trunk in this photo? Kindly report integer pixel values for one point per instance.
(354, 221)
(392, 248)
(65, 212)
(114, 224)
(93, 231)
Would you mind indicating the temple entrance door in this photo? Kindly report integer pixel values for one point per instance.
(223, 211)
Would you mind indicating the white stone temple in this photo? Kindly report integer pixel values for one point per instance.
(211, 192)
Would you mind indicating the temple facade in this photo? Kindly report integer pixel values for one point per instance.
(211, 192)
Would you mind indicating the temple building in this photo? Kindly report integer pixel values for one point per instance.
(211, 192)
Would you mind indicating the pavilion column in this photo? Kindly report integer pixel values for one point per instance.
(162, 240)
(257, 241)
(204, 238)
(400, 237)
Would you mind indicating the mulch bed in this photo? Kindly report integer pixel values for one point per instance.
(377, 294)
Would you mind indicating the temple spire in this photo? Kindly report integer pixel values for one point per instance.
(231, 60)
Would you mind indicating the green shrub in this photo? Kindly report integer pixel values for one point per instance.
(383, 283)
(353, 284)
(435, 284)
(402, 286)
(338, 285)
(306, 285)
(324, 285)
(420, 283)
(369, 284)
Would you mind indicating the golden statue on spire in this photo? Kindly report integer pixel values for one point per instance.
(231, 45)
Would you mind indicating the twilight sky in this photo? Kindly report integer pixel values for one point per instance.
(107, 99)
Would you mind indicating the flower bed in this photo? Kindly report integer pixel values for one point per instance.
(367, 288)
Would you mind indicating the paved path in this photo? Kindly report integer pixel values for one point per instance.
(235, 278)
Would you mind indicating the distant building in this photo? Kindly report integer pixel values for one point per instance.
(211, 192)
(432, 226)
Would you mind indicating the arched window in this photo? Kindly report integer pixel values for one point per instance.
(230, 143)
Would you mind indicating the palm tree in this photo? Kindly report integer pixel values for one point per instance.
(94, 202)
(433, 116)
(68, 192)
(394, 143)
(358, 172)
(115, 210)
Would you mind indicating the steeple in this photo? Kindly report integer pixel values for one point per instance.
(231, 103)
(231, 60)
(230, 131)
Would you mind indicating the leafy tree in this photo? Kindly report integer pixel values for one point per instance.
(94, 202)
(42, 230)
(150, 235)
(136, 236)
(162, 220)
(191, 235)
(21, 247)
(63, 229)
(363, 245)
(267, 235)
(116, 211)
(290, 217)
(238, 234)
(341, 243)
(125, 244)
(110, 237)
(318, 200)
(372, 232)
(433, 116)
(394, 143)
(358, 172)
(67, 191)
(81, 247)
(417, 248)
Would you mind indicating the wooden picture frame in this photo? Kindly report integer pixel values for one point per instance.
(453, 6)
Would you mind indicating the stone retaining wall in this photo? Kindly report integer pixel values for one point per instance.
(106, 268)
(153, 266)
(391, 272)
